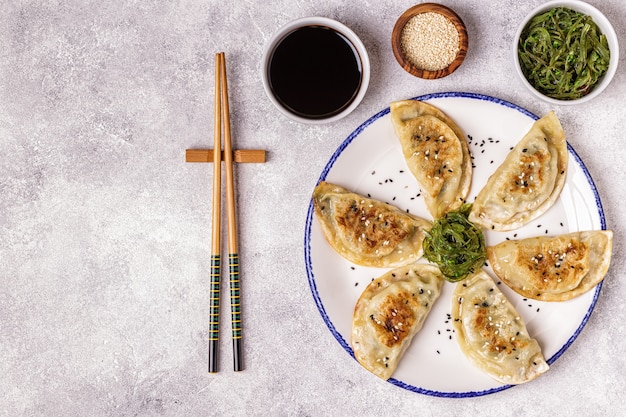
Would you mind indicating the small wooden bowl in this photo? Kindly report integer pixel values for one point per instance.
(397, 46)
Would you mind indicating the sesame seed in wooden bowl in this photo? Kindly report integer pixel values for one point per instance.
(429, 41)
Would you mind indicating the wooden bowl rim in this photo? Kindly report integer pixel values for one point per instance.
(424, 8)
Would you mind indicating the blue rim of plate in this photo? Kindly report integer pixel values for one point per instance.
(309, 263)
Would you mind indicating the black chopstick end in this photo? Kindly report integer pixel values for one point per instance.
(213, 356)
(237, 355)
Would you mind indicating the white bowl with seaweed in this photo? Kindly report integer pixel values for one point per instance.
(566, 52)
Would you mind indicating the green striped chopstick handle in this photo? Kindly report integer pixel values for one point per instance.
(235, 309)
(214, 312)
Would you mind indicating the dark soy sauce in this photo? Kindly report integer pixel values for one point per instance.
(315, 72)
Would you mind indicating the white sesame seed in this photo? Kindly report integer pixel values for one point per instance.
(430, 41)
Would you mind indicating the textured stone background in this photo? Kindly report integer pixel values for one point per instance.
(105, 231)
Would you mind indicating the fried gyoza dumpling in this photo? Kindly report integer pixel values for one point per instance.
(553, 268)
(528, 182)
(390, 311)
(435, 151)
(368, 232)
(491, 333)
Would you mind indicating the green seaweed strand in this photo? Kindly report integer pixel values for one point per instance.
(455, 245)
(563, 54)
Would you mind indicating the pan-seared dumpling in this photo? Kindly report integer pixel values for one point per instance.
(390, 311)
(492, 334)
(436, 152)
(366, 231)
(553, 268)
(528, 182)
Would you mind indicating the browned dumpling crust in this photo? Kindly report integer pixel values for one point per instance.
(553, 268)
(366, 231)
(436, 152)
(528, 182)
(390, 312)
(492, 334)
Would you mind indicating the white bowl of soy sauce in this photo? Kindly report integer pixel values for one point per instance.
(315, 70)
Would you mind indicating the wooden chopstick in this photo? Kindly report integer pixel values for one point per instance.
(222, 114)
(233, 252)
(214, 293)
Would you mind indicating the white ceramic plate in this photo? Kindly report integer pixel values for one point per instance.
(370, 161)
